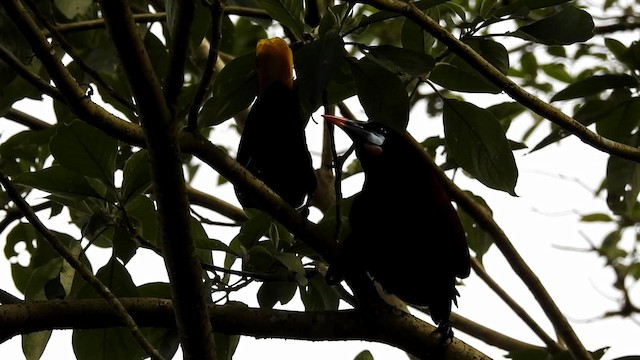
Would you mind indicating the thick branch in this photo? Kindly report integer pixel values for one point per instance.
(525, 98)
(384, 326)
(178, 246)
(82, 269)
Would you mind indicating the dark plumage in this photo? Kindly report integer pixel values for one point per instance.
(273, 146)
(405, 232)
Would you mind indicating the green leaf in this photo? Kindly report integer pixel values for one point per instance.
(399, 60)
(316, 63)
(558, 72)
(318, 296)
(622, 184)
(105, 344)
(458, 79)
(234, 88)
(413, 37)
(594, 85)
(86, 150)
(273, 292)
(292, 263)
(200, 237)
(619, 122)
(116, 277)
(60, 181)
(33, 344)
(478, 239)
(144, 217)
(136, 176)
(226, 345)
(477, 142)
(493, 51)
(571, 25)
(524, 6)
(364, 355)
(596, 217)
(287, 12)
(124, 246)
(382, 95)
(72, 8)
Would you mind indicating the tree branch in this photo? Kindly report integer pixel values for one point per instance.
(522, 313)
(217, 14)
(410, 11)
(487, 335)
(182, 12)
(197, 197)
(178, 246)
(84, 271)
(385, 326)
(25, 119)
(7, 56)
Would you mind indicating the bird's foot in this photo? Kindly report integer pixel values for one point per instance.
(446, 333)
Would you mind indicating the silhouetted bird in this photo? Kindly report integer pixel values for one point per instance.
(273, 146)
(405, 232)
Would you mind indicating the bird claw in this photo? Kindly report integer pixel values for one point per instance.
(446, 333)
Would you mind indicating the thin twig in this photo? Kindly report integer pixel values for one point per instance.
(217, 15)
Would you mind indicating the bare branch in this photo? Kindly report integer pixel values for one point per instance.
(521, 312)
(25, 119)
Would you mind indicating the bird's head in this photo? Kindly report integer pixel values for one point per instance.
(274, 63)
(370, 138)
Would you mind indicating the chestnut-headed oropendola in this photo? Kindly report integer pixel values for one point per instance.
(273, 146)
(404, 230)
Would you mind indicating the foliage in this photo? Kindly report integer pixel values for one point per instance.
(99, 172)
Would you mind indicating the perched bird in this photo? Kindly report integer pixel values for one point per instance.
(273, 146)
(404, 231)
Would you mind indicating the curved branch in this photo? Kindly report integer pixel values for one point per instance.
(410, 11)
(183, 266)
(522, 313)
(487, 335)
(384, 326)
(114, 304)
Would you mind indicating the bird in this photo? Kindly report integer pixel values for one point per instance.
(404, 230)
(273, 145)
